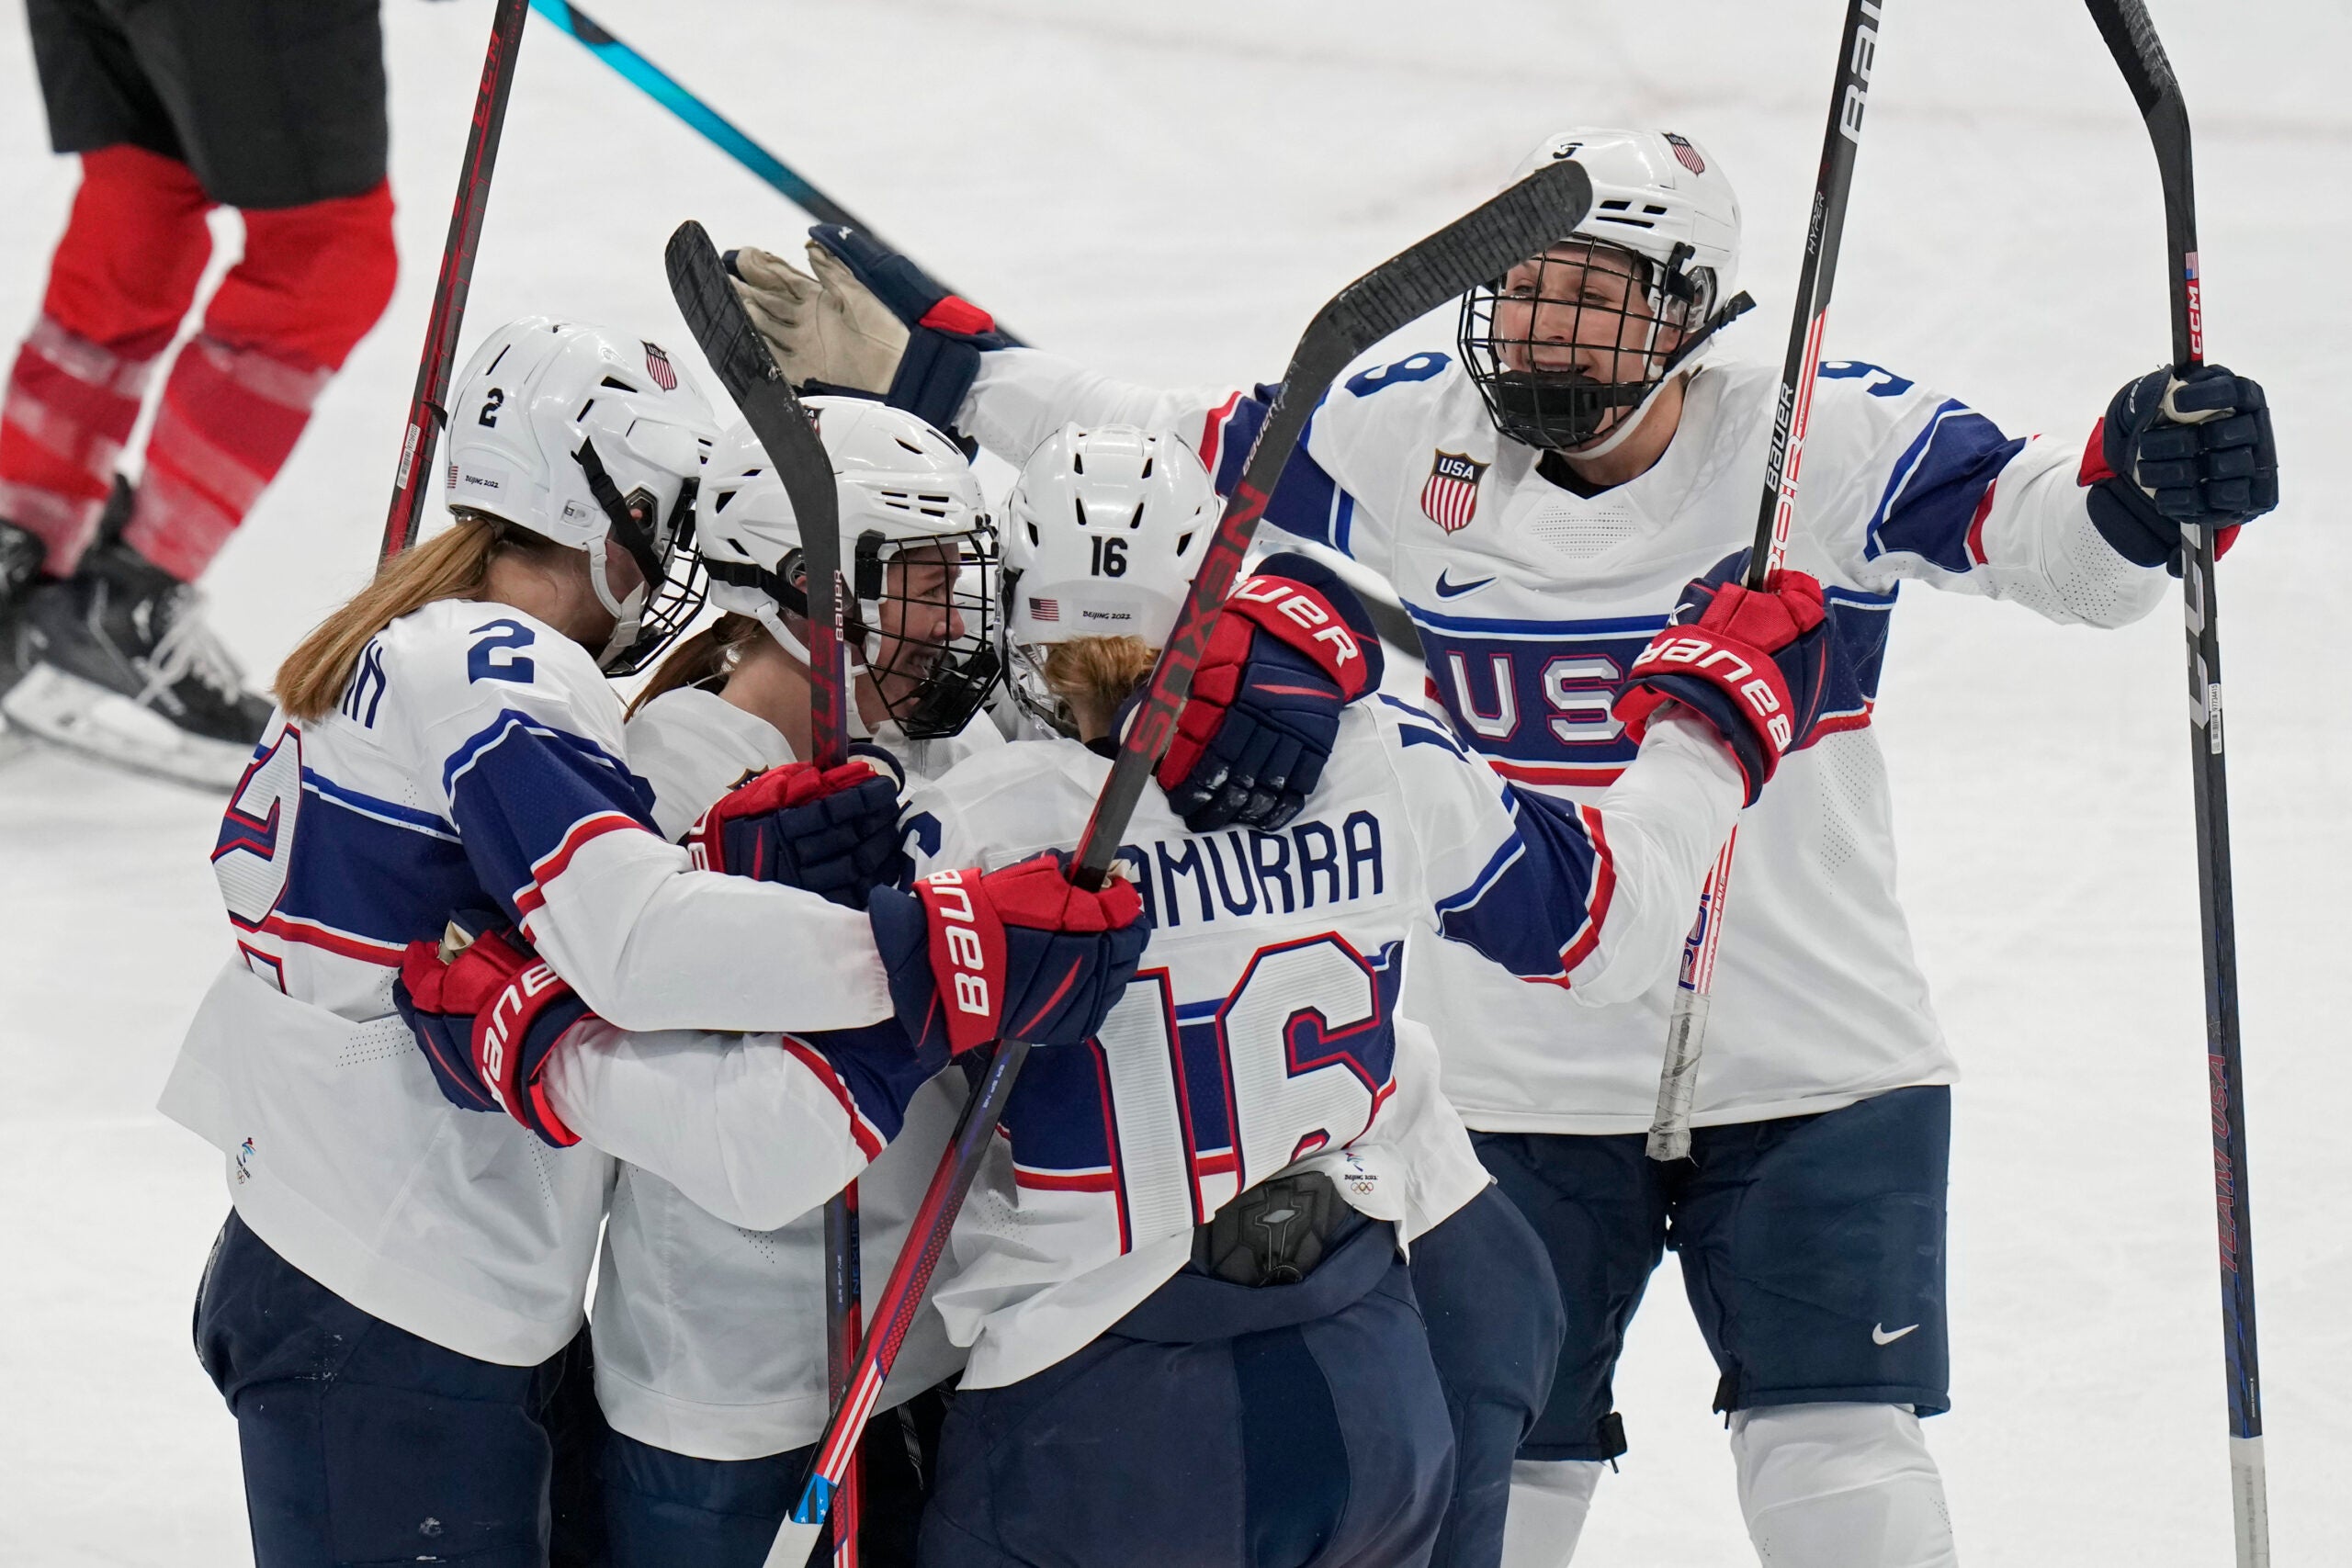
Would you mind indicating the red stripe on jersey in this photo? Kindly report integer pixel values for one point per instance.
(1213, 431)
(867, 1136)
(344, 944)
(1598, 774)
(1102, 1181)
(528, 897)
(1597, 901)
(1976, 525)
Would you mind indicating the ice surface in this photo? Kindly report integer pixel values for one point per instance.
(1167, 192)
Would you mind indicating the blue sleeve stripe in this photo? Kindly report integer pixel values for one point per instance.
(382, 810)
(497, 730)
(527, 797)
(1932, 496)
(1498, 862)
(1479, 626)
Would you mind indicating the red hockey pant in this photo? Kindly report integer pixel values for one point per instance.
(314, 279)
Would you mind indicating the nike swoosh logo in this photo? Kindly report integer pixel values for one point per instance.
(1879, 1335)
(1456, 590)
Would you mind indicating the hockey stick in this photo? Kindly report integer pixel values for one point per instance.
(426, 413)
(699, 283)
(1686, 1035)
(723, 133)
(1480, 245)
(2131, 39)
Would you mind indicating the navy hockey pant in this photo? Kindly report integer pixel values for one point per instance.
(1495, 1324)
(1811, 1250)
(672, 1510)
(365, 1444)
(1215, 1426)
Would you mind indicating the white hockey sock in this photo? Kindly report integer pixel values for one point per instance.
(1839, 1486)
(1548, 1501)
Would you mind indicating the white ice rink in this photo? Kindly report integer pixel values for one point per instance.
(1167, 192)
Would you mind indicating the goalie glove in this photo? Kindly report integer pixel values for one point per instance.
(1751, 662)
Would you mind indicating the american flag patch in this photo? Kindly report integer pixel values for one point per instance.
(657, 365)
(1044, 609)
(1450, 496)
(1686, 154)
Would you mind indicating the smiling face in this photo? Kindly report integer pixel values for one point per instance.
(1581, 309)
(919, 618)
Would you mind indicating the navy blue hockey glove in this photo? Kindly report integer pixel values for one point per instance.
(487, 1013)
(1019, 952)
(833, 831)
(2194, 448)
(1293, 648)
(1753, 663)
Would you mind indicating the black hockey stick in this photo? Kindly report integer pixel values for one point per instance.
(428, 410)
(1477, 247)
(1686, 1035)
(2131, 39)
(705, 297)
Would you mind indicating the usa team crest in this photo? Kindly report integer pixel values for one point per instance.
(1451, 497)
(657, 365)
(1686, 154)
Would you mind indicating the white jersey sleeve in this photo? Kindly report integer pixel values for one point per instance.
(1918, 486)
(523, 734)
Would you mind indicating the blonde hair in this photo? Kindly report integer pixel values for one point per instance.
(709, 653)
(451, 565)
(1092, 675)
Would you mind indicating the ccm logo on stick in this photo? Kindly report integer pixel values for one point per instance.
(959, 933)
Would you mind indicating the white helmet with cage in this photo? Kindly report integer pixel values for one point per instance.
(917, 550)
(589, 438)
(1659, 198)
(1102, 534)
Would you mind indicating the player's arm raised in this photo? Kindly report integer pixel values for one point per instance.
(1598, 897)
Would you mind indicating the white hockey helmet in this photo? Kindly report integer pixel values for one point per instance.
(1102, 534)
(921, 627)
(1659, 200)
(591, 439)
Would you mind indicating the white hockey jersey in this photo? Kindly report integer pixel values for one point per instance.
(1262, 1031)
(710, 1326)
(475, 762)
(1532, 601)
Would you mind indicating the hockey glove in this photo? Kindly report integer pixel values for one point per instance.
(1019, 952)
(487, 1013)
(2175, 449)
(824, 326)
(1753, 663)
(833, 832)
(1293, 648)
(946, 332)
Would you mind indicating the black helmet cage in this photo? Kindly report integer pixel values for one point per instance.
(1568, 409)
(929, 689)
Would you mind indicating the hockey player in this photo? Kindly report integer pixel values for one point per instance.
(389, 1305)
(1537, 495)
(176, 108)
(1192, 1337)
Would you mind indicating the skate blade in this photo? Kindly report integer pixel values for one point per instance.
(81, 717)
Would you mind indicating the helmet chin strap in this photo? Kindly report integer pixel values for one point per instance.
(1631, 421)
(628, 612)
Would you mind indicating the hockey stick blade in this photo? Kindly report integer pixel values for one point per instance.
(1481, 245)
(707, 299)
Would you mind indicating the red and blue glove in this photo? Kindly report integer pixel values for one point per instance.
(1019, 954)
(1752, 662)
(1293, 648)
(487, 1014)
(947, 333)
(833, 831)
(2194, 448)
